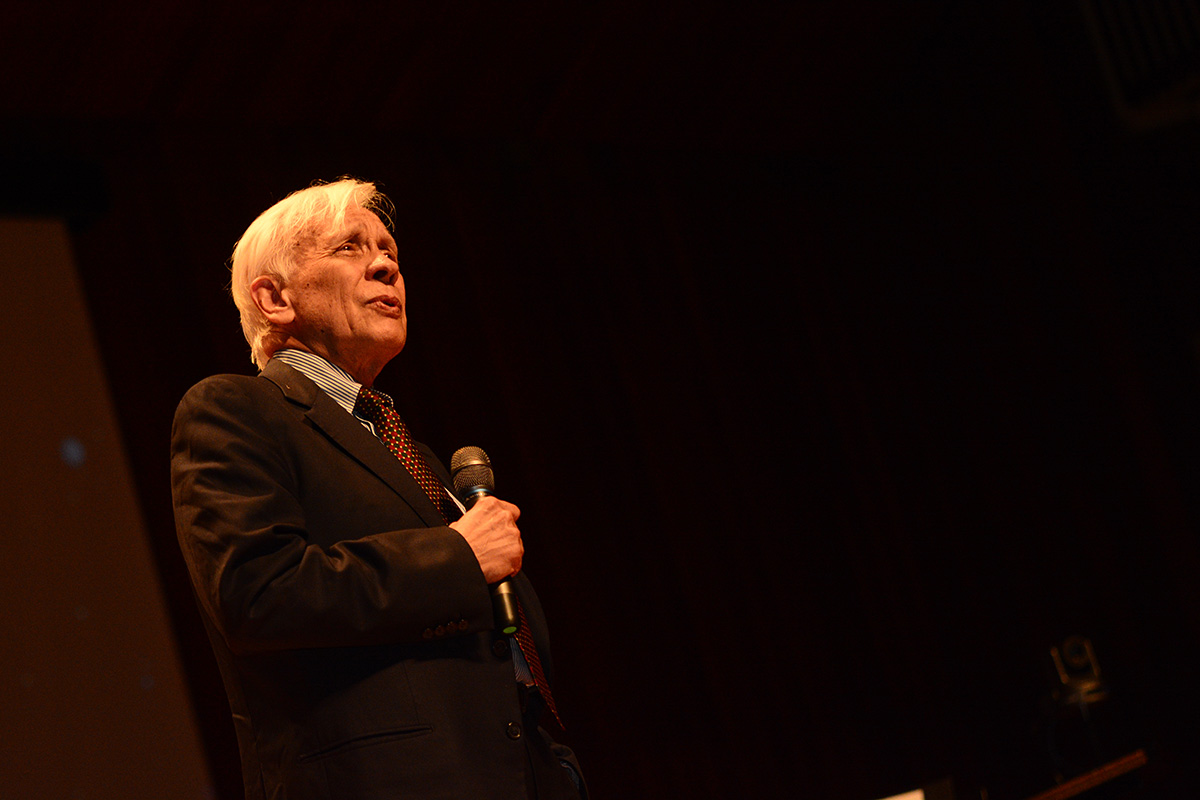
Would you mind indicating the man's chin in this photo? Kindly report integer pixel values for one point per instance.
(392, 345)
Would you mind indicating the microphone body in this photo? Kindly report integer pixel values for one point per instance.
(471, 472)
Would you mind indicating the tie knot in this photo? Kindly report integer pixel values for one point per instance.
(371, 403)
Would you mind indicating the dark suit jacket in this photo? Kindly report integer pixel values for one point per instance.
(352, 627)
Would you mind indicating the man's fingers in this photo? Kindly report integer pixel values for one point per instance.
(495, 504)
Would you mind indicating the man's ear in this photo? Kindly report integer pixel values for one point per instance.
(267, 293)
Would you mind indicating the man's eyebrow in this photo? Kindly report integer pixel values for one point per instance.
(354, 230)
(358, 230)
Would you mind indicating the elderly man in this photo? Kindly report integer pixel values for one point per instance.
(345, 591)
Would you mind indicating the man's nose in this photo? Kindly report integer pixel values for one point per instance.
(383, 268)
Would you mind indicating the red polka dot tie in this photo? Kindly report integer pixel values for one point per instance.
(377, 408)
(529, 650)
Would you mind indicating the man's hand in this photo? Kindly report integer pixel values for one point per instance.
(490, 527)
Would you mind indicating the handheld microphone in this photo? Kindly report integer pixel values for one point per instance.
(471, 472)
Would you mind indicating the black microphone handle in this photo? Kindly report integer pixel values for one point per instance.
(504, 594)
(504, 607)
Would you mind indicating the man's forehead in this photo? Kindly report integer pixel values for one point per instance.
(356, 221)
(358, 218)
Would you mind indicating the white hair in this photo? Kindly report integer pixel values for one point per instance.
(269, 245)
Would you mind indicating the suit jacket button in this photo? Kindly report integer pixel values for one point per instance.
(463, 624)
(513, 731)
(428, 633)
(440, 630)
(500, 648)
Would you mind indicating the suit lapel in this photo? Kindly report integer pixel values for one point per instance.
(348, 434)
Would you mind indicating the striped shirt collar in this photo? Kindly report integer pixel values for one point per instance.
(334, 380)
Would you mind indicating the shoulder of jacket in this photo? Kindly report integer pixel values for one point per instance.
(249, 384)
(234, 389)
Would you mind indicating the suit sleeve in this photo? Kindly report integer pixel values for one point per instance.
(258, 574)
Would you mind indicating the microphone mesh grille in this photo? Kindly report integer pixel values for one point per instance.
(470, 468)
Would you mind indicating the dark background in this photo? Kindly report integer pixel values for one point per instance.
(842, 357)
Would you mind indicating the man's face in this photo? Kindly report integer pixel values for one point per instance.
(348, 295)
